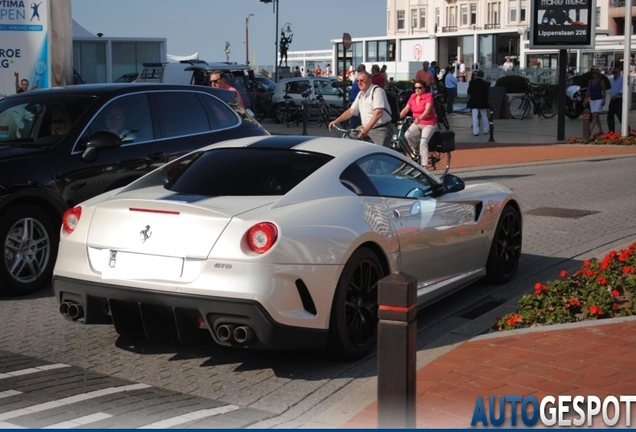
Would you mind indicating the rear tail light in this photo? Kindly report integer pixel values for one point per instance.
(262, 236)
(71, 218)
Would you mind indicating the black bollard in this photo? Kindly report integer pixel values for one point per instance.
(304, 118)
(492, 125)
(397, 346)
(586, 125)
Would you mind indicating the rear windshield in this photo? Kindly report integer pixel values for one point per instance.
(242, 172)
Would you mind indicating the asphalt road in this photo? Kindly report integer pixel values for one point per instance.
(101, 380)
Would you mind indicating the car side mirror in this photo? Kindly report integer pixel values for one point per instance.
(99, 141)
(450, 183)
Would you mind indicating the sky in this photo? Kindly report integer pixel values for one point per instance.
(204, 26)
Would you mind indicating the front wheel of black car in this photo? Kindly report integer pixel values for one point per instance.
(353, 326)
(505, 251)
(30, 241)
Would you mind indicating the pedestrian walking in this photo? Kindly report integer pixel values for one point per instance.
(616, 100)
(354, 121)
(478, 92)
(425, 75)
(595, 96)
(450, 84)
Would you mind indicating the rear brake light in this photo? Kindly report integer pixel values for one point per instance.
(71, 218)
(262, 236)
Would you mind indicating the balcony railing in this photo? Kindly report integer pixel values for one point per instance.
(449, 29)
(492, 26)
(620, 3)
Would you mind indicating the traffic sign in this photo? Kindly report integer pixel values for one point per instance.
(346, 40)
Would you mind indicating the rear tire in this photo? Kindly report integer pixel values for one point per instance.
(30, 241)
(516, 107)
(353, 325)
(505, 250)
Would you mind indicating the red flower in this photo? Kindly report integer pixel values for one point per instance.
(574, 302)
(516, 318)
(595, 310)
(588, 273)
(563, 274)
(586, 263)
(628, 270)
(539, 288)
(601, 280)
(615, 293)
(616, 306)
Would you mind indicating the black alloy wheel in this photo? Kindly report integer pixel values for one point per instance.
(505, 251)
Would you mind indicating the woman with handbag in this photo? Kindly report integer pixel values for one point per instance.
(421, 106)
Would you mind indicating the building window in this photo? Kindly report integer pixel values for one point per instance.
(598, 16)
(380, 51)
(473, 14)
(464, 15)
(493, 12)
(413, 19)
(524, 7)
(512, 7)
(451, 16)
(513, 15)
(400, 20)
(423, 18)
(436, 17)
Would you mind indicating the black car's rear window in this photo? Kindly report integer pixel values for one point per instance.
(242, 171)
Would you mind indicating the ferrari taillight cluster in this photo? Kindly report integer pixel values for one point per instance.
(71, 218)
(262, 236)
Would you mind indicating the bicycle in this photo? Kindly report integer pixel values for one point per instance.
(262, 105)
(346, 133)
(533, 100)
(436, 159)
(287, 112)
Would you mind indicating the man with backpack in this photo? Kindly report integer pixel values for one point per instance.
(375, 112)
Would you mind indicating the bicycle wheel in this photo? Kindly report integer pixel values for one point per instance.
(517, 107)
(528, 108)
(439, 163)
(324, 116)
(548, 107)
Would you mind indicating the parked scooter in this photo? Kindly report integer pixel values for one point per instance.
(574, 96)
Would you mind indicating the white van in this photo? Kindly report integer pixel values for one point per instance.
(197, 72)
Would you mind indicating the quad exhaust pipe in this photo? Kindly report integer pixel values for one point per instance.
(232, 333)
(72, 310)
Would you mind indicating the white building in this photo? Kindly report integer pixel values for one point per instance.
(477, 31)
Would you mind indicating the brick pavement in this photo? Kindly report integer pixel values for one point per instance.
(588, 358)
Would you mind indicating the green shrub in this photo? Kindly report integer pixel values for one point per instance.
(513, 84)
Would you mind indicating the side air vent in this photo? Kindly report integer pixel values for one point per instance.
(305, 297)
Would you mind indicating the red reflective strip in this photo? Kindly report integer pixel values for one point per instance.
(395, 308)
(154, 211)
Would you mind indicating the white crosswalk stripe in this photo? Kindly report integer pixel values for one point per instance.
(81, 421)
(5, 425)
(69, 400)
(33, 370)
(8, 393)
(185, 418)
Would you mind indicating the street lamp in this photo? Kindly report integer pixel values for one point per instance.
(275, 5)
(247, 39)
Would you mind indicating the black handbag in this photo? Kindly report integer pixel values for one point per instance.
(442, 142)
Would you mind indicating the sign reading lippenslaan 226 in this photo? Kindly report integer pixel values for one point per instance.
(562, 410)
(562, 24)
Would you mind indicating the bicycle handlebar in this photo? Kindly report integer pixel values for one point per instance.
(346, 133)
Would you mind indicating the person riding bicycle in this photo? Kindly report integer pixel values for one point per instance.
(421, 106)
(374, 109)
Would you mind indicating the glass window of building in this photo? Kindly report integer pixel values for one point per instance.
(468, 50)
(473, 14)
(524, 7)
(486, 52)
(401, 20)
(89, 59)
(423, 18)
(437, 17)
(413, 19)
(493, 12)
(512, 8)
(464, 11)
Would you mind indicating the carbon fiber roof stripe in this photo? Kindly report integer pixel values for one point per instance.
(281, 142)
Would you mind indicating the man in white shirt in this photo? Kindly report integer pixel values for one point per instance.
(616, 99)
(374, 110)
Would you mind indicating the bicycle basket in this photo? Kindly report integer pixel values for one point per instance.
(442, 142)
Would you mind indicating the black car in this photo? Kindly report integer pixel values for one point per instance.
(62, 146)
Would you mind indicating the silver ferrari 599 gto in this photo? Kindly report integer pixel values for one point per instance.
(279, 243)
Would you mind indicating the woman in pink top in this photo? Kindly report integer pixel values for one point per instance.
(420, 105)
